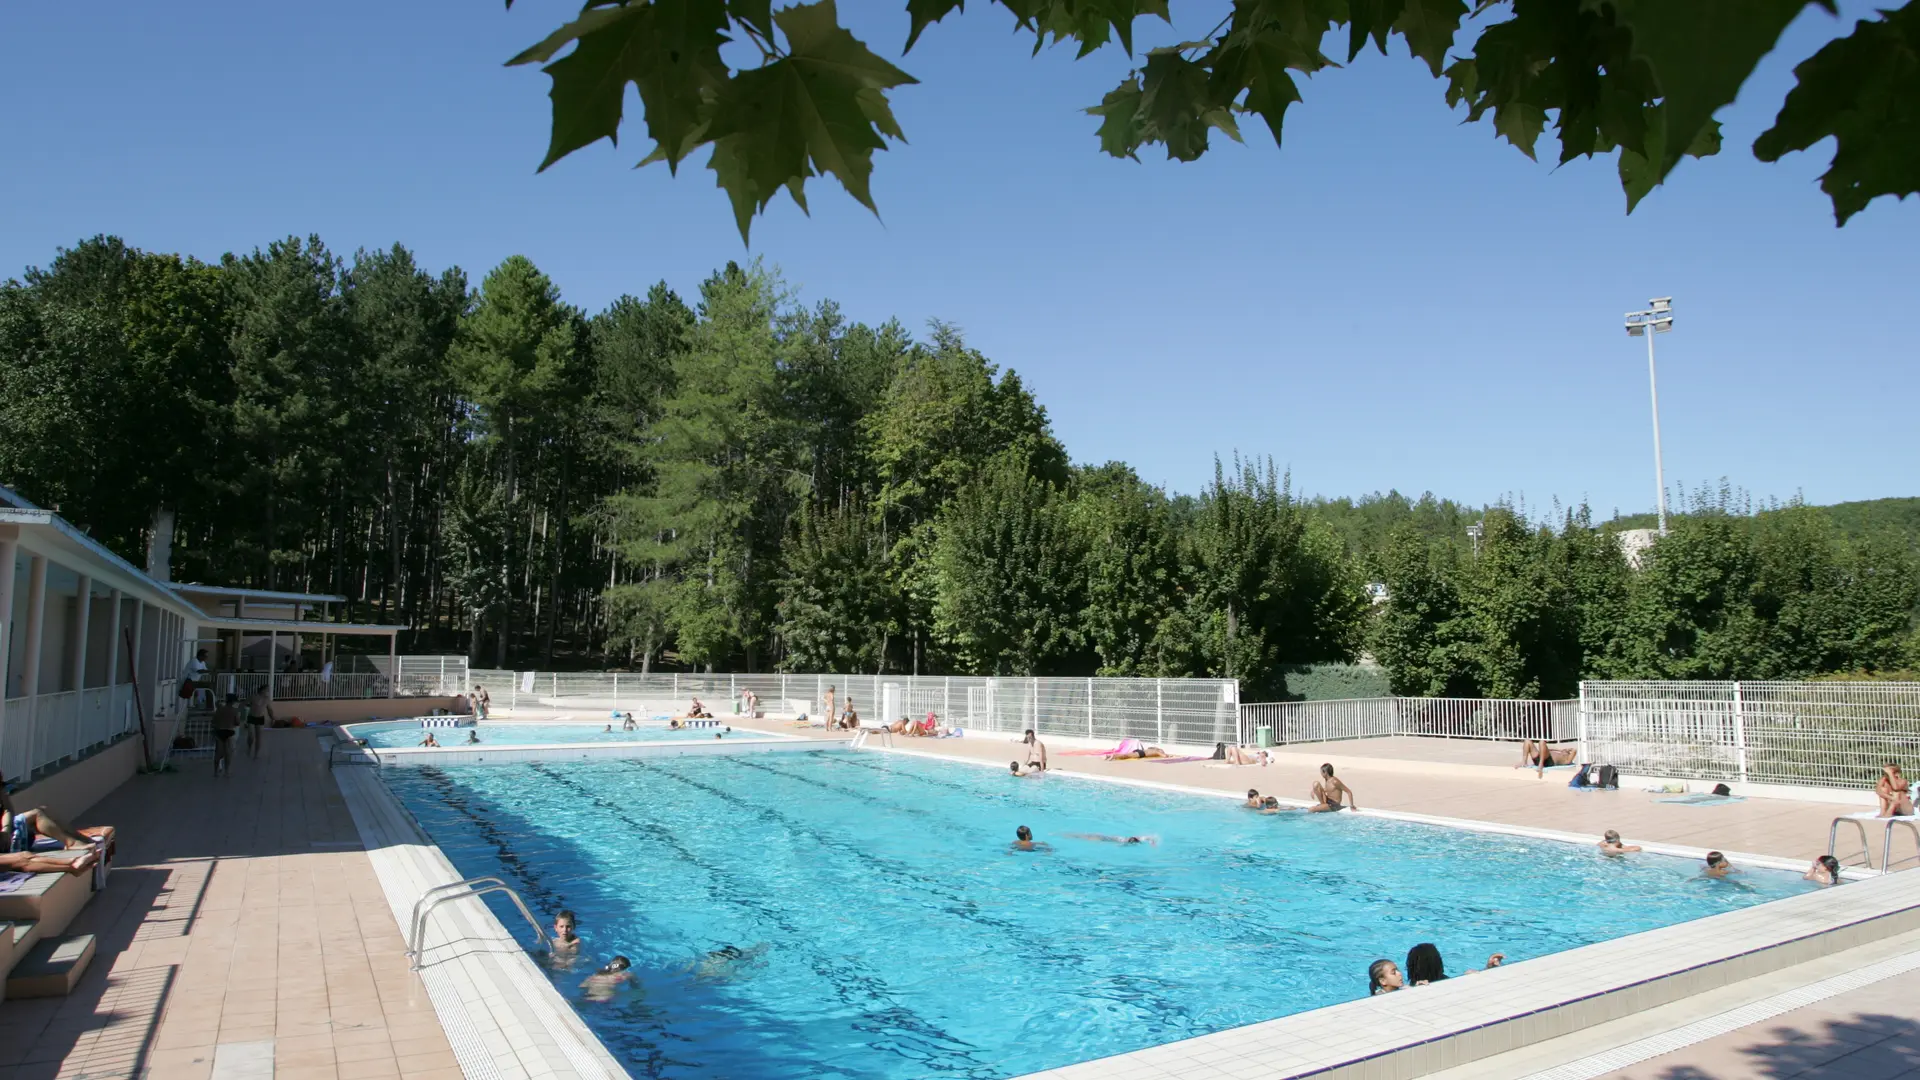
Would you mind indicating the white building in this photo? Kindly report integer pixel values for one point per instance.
(91, 647)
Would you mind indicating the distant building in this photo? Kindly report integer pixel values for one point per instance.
(1635, 543)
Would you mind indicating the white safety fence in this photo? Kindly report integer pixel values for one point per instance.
(1385, 717)
(1811, 734)
(40, 732)
(1194, 712)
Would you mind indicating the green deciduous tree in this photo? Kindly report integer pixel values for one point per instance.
(1008, 587)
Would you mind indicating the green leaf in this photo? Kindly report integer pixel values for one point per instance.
(818, 109)
(1860, 90)
(1120, 123)
(925, 13)
(1175, 103)
(1370, 19)
(670, 49)
(1700, 52)
(1430, 27)
(559, 39)
(1520, 124)
(1260, 62)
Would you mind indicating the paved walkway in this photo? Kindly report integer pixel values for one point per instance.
(1868, 1034)
(242, 926)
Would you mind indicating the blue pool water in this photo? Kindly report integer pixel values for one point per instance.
(892, 935)
(492, 734)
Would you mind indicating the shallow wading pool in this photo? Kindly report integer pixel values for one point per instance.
(888, 931)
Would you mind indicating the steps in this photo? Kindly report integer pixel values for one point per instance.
(51, 968)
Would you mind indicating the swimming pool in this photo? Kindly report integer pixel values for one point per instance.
(892, 934)
(410, 733)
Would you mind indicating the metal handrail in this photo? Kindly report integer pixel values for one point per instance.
(356, 753)
(429, 900)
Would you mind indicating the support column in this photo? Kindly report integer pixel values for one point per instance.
(36, 623)
(77, 632)
(137, 674)
(393, 666)
(9, 550)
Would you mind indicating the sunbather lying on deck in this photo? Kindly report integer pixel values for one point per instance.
(1138, 752)
(18, 827)
(1240, 755)
(1540, 757)
(39, 862)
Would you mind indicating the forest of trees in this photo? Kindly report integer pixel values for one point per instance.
(733, 480)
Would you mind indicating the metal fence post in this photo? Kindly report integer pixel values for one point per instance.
(946, 699)
(676, 684)
(1586, 757)
(1089, 708)
(1160, 710)
(733, 688)
(1739, 733)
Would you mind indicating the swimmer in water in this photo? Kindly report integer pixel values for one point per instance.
(1105, 839)
(1718, 866)
(1253, 799)
(430, 740)
(1270, 805)
(1023, 841)
(1025, 772)
(564, 942)
(722, 962)
(601, 985)
(609, 730)
(472, 737)
(1610, 844)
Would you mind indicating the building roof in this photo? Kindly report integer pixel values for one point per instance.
(297, 626)
(254, 594)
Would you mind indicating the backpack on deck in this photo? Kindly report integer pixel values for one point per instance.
(1603, 776)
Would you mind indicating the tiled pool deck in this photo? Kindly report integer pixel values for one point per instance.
(246, 933)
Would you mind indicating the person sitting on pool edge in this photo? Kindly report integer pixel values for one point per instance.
(1329, 790)
(627, 722)
(1717, 865)
(1824, 871)
(1383, 977)
(44, 862)
(1610, 844)
(698, 711)
(1023, 841)
(1891, 790)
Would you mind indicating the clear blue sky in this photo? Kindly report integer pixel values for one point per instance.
(1393, 301)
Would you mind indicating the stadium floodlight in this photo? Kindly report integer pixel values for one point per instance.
(1657, 319)
(1474, 532)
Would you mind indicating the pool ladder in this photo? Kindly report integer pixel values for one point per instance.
(860, 737)
(456, 890)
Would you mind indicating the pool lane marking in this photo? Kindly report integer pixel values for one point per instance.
(1162, 1015)
(1655, 847)
(883, 1015)
(1633, 1053)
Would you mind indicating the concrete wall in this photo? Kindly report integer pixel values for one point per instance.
(72, 791)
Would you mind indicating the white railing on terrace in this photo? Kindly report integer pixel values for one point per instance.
(40, 732)
(1194, 712)
(1385, 717)
(1814, 734)
(355, 677)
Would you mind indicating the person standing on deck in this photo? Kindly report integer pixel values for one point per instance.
(832, 717)
(226, 721)
(259, 713)
(1036, 751)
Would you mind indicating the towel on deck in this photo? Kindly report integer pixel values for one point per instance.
(1702, 799)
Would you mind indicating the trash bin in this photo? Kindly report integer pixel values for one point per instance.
(1263, 735)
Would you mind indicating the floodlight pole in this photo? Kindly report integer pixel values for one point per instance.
(1659, 472)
